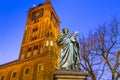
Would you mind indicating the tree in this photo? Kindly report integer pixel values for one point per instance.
(91, 61)
(99, 51)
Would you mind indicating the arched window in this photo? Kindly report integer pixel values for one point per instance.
(40, 67)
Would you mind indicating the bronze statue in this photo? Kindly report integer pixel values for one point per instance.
(69, 59)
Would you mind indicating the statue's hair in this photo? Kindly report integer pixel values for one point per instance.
(65, 29)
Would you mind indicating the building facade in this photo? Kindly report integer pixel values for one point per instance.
(39, 54)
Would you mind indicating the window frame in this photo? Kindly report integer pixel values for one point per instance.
(40, 67)
(26, 73)
(12, 76)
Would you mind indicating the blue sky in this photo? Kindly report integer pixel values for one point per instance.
(80, 15)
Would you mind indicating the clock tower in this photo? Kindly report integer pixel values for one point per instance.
(39, 54)
(42, 25)
(41, 32)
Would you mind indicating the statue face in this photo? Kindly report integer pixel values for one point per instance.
(65, 30)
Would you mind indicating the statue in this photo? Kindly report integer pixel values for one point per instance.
(76, 51)
(69, 59)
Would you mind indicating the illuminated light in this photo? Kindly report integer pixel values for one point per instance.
(47, 43)
(51, 43)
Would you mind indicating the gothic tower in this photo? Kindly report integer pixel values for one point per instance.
(42, 28)
(39, 54)
(41, 32)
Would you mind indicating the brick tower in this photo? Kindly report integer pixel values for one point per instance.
(39, 53)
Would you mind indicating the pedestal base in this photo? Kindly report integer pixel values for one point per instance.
(69, 75)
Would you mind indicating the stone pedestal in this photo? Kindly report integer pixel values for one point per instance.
(69, 75)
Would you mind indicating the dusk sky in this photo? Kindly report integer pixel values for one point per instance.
(77, 15)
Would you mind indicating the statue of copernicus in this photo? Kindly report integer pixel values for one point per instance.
(69, 59)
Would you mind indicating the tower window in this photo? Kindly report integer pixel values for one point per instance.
(40, 67)
(51, 43)
(53, 18)
(50, 34)
(27, 71)
(14, 74)
(34, 34)
(47, 43)
(2, 77)
(35, 29)
(35, 47)
(29, 49)
(32, 38)
(35, 50)
(35, 37)
(36, 21)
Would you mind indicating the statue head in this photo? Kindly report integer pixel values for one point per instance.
(65, 30)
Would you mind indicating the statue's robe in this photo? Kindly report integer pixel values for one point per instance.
(66, 58)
